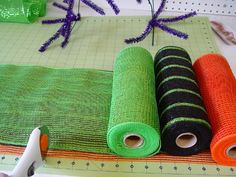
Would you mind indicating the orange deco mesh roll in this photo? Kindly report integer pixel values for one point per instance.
(218, 88)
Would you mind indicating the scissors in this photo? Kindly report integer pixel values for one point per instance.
(33, 155)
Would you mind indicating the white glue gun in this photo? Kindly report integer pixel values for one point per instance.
(33, 155)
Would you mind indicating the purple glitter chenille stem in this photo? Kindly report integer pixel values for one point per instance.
(93, 6)
(67, 36)
(171, 31)
(178, 18)
(113, 6)
(70, 18)
(50, 41)
(70, 3)
(160, 23)
(60, 6)
(65, 29)
(49, 22)
(160, 9)
(141, 37)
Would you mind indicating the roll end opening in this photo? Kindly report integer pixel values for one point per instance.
(231, 151)
(133, 141)
(186, 140)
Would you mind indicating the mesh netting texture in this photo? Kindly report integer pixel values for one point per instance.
(218, 88)
(185, 129)
(22, 11)
(84, 109)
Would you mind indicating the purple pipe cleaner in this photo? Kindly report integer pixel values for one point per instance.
(160, 23)
(99, 9)
(60, 6)
(93, 6)
(113, 6)
(66, 28)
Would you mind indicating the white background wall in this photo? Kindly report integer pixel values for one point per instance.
(224, 7)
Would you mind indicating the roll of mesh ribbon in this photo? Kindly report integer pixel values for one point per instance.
(185, 129)
(86, 110)
(133, 126)
(218, 88)
(22, 11)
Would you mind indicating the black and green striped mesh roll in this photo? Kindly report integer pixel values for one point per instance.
(185, 129)
(84, 109)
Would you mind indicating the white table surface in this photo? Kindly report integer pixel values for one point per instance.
(228, 51)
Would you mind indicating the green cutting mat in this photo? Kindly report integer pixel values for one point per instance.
(95, 41)
(94, 44)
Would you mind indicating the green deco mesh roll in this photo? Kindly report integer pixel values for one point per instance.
(84, 109)
(133, 116)
(22, 11)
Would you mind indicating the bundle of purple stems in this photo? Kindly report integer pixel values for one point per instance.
(71, 18)
(160, 23)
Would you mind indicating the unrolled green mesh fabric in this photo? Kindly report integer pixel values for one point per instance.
(86, 110)
(22, 11)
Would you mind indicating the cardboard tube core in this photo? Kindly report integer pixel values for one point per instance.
(186, 140)
(133, 140)
(231, 151)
